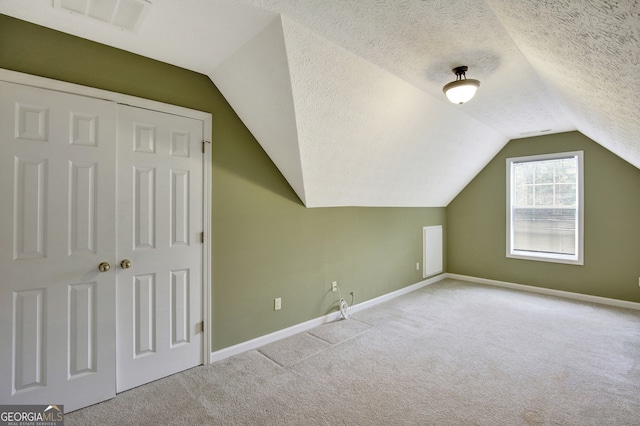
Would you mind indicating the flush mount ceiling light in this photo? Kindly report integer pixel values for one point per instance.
(463, 89)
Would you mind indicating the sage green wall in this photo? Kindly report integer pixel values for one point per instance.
(476, 220)
(265, 243)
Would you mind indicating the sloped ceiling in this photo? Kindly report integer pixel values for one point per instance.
(346, 96)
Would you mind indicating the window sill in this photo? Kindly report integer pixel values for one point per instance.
(546, 257)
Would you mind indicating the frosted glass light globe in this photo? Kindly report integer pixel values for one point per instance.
(461, 91)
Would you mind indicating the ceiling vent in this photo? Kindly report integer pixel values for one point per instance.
(123, 14)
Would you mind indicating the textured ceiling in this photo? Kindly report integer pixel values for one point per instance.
(346, 96)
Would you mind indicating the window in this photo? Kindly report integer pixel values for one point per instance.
(545, 207)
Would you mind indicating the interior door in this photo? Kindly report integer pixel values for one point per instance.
(159, 282)
(57, 216)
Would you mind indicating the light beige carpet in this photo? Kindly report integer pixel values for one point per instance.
(451, 353)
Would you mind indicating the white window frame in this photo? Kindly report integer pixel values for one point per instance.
(578, 257)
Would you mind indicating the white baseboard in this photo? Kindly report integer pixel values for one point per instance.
(548, 291)
(308, 325)
(271, 337)
(394, 294)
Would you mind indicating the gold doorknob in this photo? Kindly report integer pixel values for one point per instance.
(104, 267)
(125, 264)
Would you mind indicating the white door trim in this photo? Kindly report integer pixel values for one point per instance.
(91, 92)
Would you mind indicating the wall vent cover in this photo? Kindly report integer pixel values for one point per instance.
(123, 14)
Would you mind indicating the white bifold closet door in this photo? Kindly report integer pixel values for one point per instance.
(87, 182)
(159, 225)
(57, 221)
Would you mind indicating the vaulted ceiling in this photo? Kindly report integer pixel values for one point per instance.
(346, 96)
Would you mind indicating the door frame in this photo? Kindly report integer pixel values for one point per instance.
(134, 101)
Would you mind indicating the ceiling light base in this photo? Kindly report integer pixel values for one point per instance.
(461, 70)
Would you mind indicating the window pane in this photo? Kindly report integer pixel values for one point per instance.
(518, 175)
(544, 171)
(526, 171)
(544, 195)
(566, 195)
(566, 171)
(545, 230)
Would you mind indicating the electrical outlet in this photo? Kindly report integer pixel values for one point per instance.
(638, 281)
(277, 304)
(334, 286)
(417, 266)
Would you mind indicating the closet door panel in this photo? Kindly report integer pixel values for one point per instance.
(160, 167)
(57, 224)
